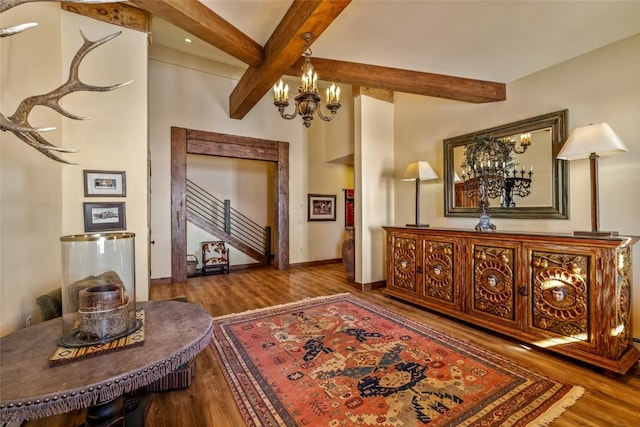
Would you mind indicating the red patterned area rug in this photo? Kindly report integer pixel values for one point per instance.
(342, 361)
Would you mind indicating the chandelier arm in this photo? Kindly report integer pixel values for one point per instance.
(288, 116)
(323, 117)
(281, 106)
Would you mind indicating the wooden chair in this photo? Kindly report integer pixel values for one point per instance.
(215, 258)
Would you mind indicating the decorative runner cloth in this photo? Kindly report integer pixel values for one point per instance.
(342, 361)
(64, 355)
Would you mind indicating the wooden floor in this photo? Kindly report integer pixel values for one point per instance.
(208, 401)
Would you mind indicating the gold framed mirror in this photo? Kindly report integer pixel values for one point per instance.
(548, 199)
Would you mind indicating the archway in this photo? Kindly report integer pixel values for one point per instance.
(189, 141)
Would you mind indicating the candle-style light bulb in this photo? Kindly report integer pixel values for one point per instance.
(277, 91)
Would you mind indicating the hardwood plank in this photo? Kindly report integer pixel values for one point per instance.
(607, 401)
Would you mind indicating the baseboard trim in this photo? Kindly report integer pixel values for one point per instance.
(160, 281)
(313, 263)
(365, 287)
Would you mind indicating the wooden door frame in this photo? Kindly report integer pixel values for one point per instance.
(189, 141)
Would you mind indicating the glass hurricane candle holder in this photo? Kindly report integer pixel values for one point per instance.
(98, 288)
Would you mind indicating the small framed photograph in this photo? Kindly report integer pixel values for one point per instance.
(322, 207)
(104, 217)
(104, 184)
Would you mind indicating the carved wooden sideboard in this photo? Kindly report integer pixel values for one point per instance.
(565, 293)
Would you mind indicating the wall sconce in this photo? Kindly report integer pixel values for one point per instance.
(418, 171)
(592, 141)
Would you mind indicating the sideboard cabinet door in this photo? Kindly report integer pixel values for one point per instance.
(402, 265)
(495, 287)
(440, 286)
(564, 285)
(422, 270)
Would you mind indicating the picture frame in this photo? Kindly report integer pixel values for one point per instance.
(322, 207)
(108, 216)
(99, 183)
(349, 207)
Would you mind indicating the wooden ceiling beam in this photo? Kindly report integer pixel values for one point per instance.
(282, 55)
(397, 80)
(197, 19)
(283, 49)
(119, 14)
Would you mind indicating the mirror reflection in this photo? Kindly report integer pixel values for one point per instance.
(532, 146)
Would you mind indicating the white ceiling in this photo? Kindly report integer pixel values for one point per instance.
(498, 41)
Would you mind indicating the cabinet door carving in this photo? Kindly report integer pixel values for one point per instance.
(623, 337)
(494, 281)
(438, 271)
(404, 263)
(561, 294)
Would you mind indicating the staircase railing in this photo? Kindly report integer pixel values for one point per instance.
(222, 216)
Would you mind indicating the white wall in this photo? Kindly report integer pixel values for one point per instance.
(603, 85)
(41, 199)
(375, 181)
(30, 183)
(115, 138)
(195, 95)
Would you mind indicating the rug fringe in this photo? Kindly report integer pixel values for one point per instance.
(271, 307)
(558, 408)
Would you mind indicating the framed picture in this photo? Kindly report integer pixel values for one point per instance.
(322, 207)
(104, 216)
(349, 207)
(104, 184)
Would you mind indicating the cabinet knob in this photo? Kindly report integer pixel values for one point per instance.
(522, 290)
(419, 269)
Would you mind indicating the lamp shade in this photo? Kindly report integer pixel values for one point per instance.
(419, 171)
(599, 139)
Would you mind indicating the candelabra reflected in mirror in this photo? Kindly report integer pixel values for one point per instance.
(516, 183)
(489, 171)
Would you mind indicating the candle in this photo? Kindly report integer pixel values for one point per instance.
(278, 93)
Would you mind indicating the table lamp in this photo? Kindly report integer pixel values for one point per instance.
(418, 171)
(592, 141)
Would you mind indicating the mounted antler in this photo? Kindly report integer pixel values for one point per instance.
(18, 123)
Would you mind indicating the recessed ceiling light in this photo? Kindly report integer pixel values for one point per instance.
(187, 40)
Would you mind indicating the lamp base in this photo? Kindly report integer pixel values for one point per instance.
(418, 225)
(596, 233)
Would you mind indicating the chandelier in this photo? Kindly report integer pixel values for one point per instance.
(307, 100)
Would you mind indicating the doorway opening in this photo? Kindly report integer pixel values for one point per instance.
(189, 141)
